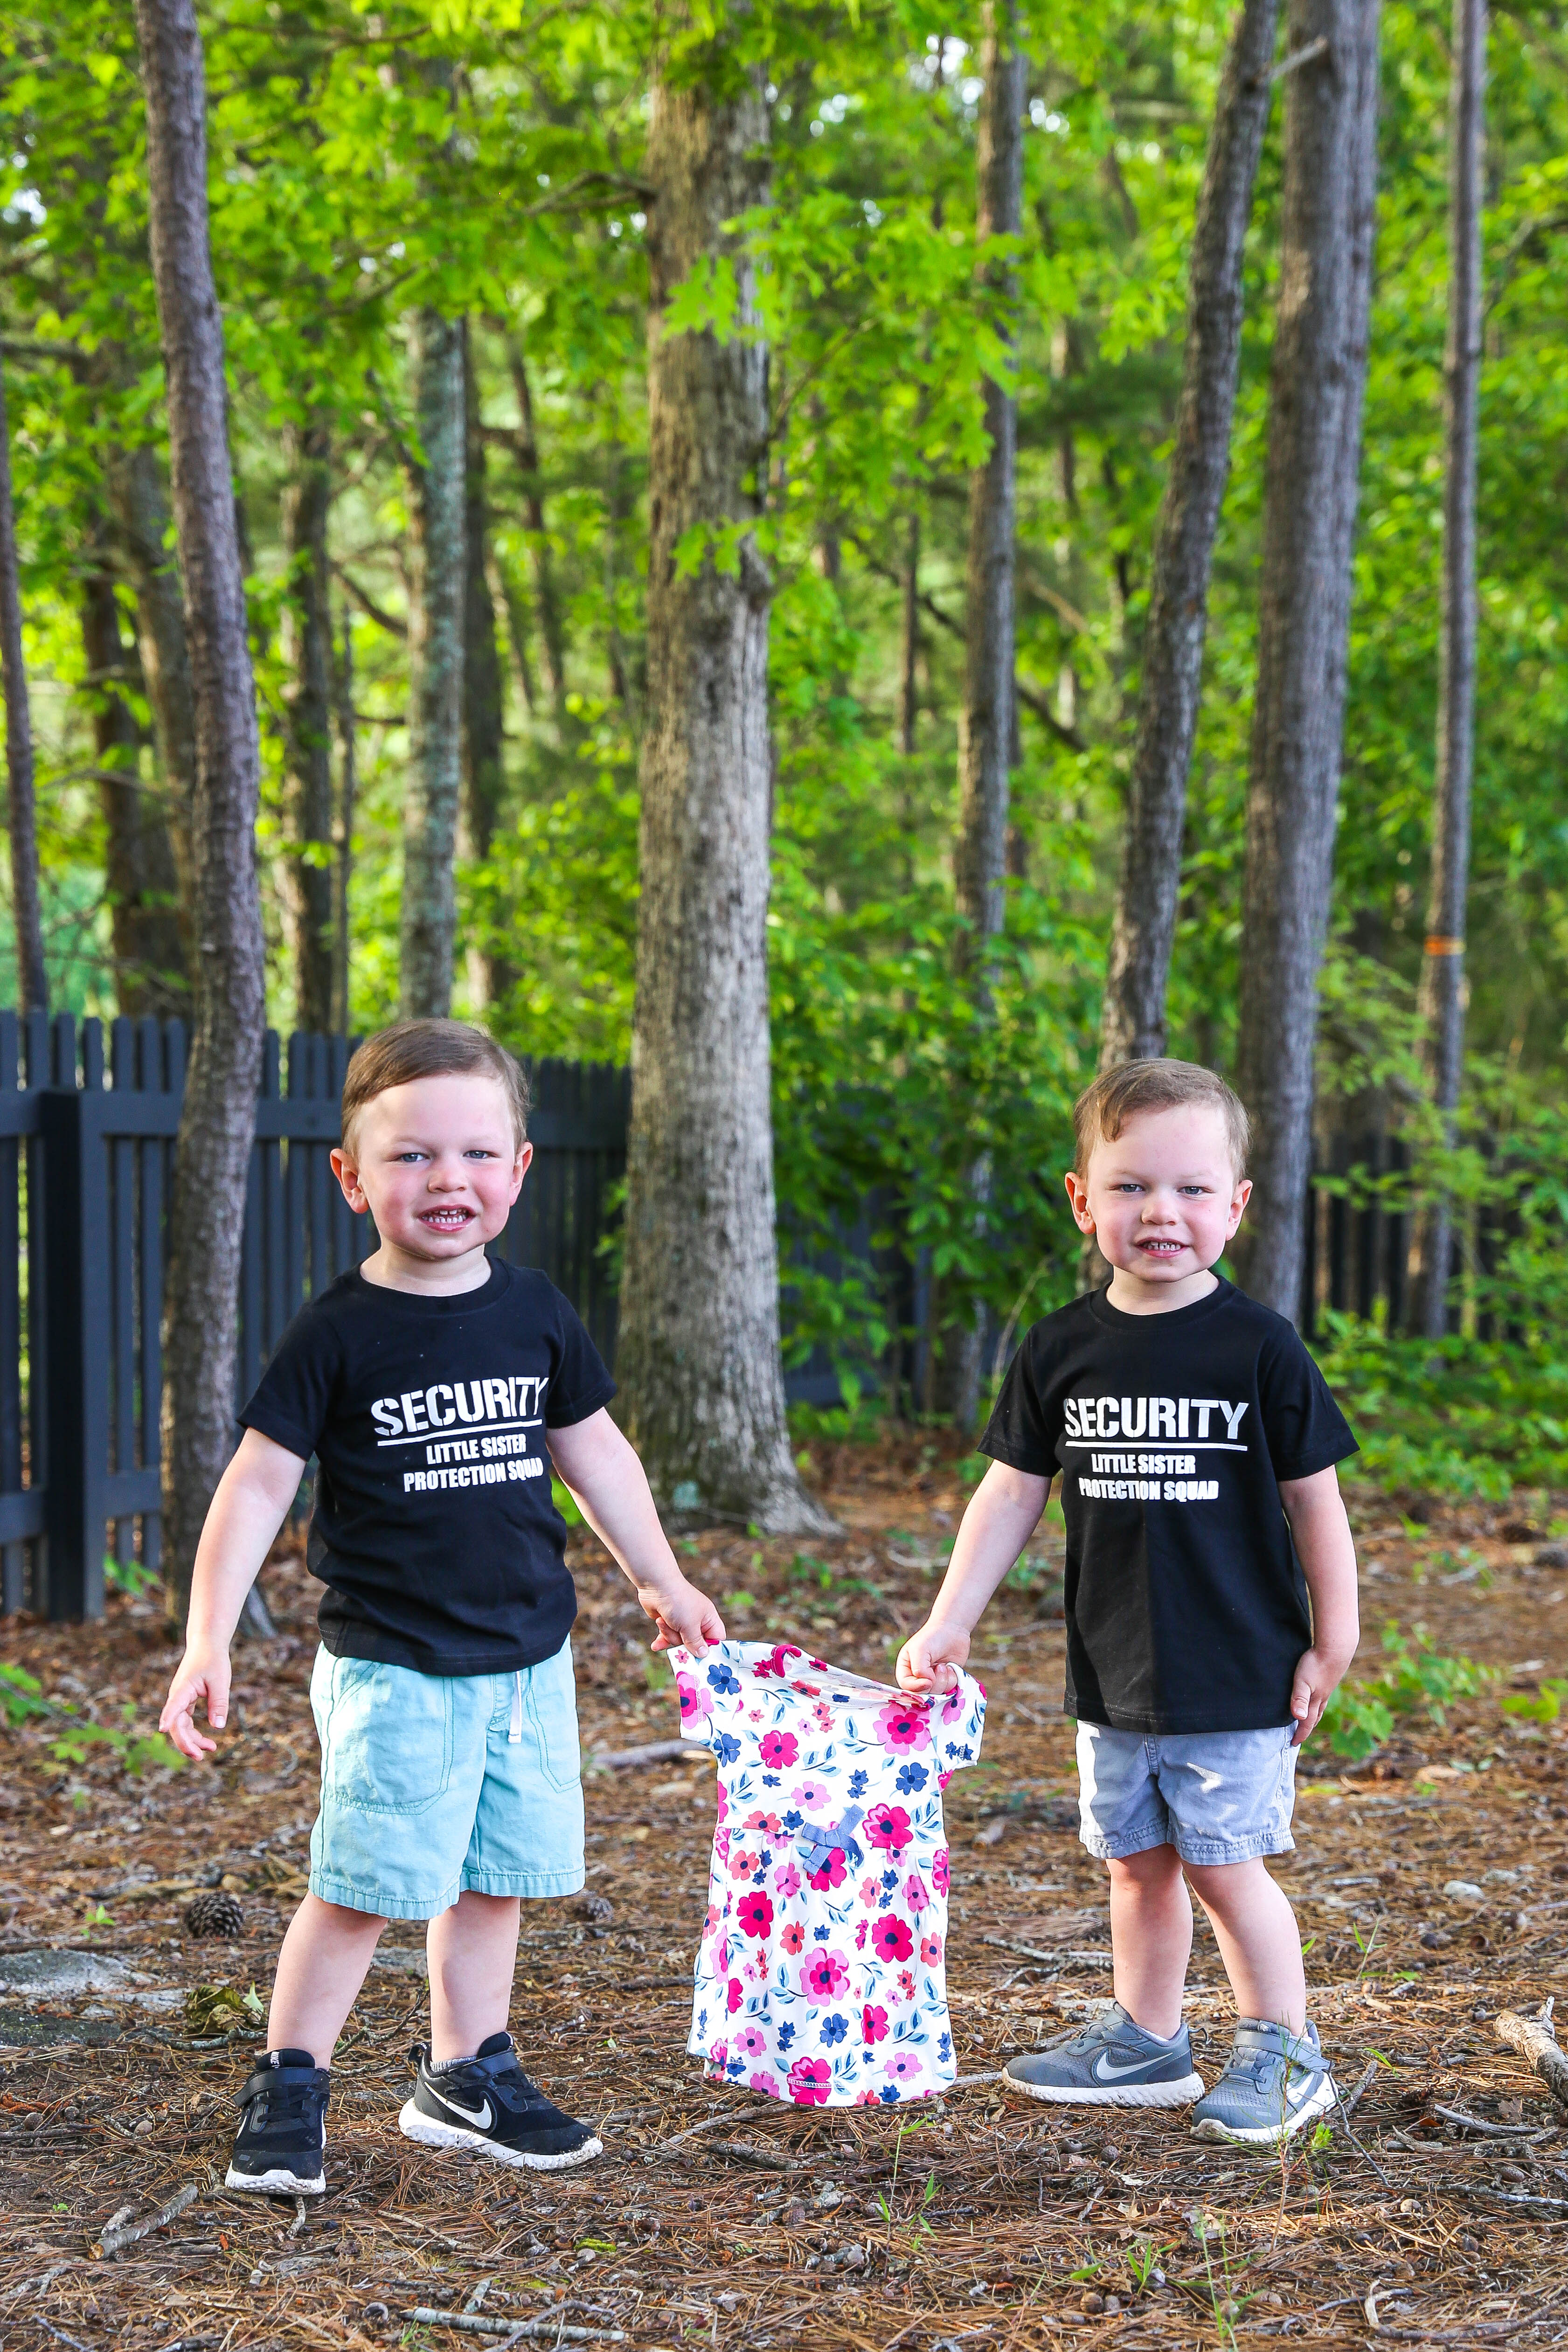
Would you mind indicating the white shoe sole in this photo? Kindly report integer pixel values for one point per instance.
(279, 2182)
(415, 2124)
(1318, 2103)
(1126, 2095)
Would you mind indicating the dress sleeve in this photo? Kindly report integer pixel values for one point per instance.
(958, 1724)
(1024, 1428)
(1305, 1430)
(293, 1397)
(579, 1384)
(708, 1689)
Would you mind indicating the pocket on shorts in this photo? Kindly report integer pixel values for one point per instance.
(386, 1738)
(550, 1704)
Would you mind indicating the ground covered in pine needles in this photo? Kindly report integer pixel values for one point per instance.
(981, 2221)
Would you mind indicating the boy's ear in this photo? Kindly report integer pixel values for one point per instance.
(1239, 1200)
(346, 1171)
(1078, 1194)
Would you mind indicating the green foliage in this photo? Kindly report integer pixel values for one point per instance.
(21, 1694)
(1458, 1416)
(215, 2009)
(1417, 1679)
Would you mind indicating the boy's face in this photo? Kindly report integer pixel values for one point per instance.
(1163, 1199)
(436, 1164)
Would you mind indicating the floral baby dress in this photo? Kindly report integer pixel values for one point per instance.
(820, 1976)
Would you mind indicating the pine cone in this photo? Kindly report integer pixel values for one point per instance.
(216, 1913)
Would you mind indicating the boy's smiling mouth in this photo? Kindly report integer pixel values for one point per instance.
(450, 1219)
(1161, 1246)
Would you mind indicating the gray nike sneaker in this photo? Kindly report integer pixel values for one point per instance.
(1274, 2084)
(1110, 2064)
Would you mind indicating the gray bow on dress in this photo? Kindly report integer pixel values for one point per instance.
(817, 1846)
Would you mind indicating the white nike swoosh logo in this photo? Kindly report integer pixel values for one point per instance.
(482, 2120)
(1106, 2070)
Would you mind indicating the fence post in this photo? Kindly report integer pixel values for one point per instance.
(77, 1317)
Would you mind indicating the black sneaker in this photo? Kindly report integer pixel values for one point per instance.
(487, 2103)
(282, 2132)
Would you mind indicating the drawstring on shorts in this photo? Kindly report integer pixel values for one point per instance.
(514, 1729)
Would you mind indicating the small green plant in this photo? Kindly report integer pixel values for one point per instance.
(1537, 1707)
(1417, 1680)
(130, 1576)
(22, 1695)
(1228, 2305)
(1143, 2260)
(222, 2008)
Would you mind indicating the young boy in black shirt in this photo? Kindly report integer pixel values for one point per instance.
(436, 1388)
(1210, 1598)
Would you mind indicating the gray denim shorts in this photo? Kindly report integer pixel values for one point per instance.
(1215, 1796)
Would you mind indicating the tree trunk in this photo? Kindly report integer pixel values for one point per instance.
(910, 642)
(1132, 1023)
(698, 1356)
(546, 598)
(986, 722)
(150, 968)
(1327, 225)
(342, 871)
(308, 785)
(32, 979)
(213, 1151)
(1443, 967)
(140, 515)
(436, 588)
(484, 771)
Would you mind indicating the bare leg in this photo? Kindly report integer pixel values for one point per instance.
(1258, 1940)
(1151, 1938)
(472, 1950)
(321, 1968)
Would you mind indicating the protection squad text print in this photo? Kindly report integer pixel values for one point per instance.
(820, 1977)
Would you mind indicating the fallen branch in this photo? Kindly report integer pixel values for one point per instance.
(1344, 2108)
(1507, 2197)
(1488, 2131)
(1534, 2039)
(709, 2123)
(487, 2323)
(1070, 1956)
(113, 2242)
(747, 2152)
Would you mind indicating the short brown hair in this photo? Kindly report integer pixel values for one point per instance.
(432, 1049)
(1103, 1109)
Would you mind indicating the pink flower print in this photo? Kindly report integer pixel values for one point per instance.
(902, 2067)
(778, 1749)
(806, 1690)
(874, 2023)
(823, 1718)
(866, 2099)
(734, 1994)
(768, 2085)
(860, 1936)
(711, 1919)
(891, 1939)
(940, 1876)
(749, 2043)
(787, 1880)
(723, 1805)
(818, 1666)
(906, 1984)
(742, 1863)
(718, 2054)
(755, 1915)
(722, 1844)
(695, 1702)
(793, 1937)
(902, 1726)
(808, 2082)
(823, 1977)
(870, 1894)
(774, 1662)
(915, 1894)
(931, 1951)
(943, 1778)
(889, 1826)
(811, 1796)
(954, 1704)
(832, 1873)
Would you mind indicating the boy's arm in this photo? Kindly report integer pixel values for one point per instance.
(1002, 1514)
(609, 1486)
(1327, 1552)
(242, 1522)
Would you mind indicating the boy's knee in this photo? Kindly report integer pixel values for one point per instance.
(1220, 1885)
(1155, 1866)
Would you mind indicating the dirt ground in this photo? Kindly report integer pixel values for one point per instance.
(981, 2221)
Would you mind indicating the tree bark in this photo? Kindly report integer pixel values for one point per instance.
(150, 964)
(141, 513)
(697, 1355)
(437, 589)
(1132, 1023)
(484, 771)
(986, 721)
(31, 979)
(909, 640)
(546, 598)
(308, 780)
(342, 869)
(1443, 990)
(1327, 223)
(213, 1151)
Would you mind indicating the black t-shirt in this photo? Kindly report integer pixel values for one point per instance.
(435, 1532)
(1187, 1607)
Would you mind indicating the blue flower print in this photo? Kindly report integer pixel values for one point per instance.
(727, 1748)
(785, 2036)
(890, 2094)
(770, 1780)
(889, 1880)
(722, 1678)
(822, 1934)
(834, 2029)
(792, 1820)
(859, 1782)
(736, 2066)
(911, 1777)
(944, 2048)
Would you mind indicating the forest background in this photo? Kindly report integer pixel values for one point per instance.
(376, 176)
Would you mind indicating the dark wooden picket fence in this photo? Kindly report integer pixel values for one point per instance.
(86, 1146)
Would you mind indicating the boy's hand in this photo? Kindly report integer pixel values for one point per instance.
(201, 1675)
(930, 1658)
(1318, 1677)
(686, 1618)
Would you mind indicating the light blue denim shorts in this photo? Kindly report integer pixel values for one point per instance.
(1215, 1796)
(435, 1783)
